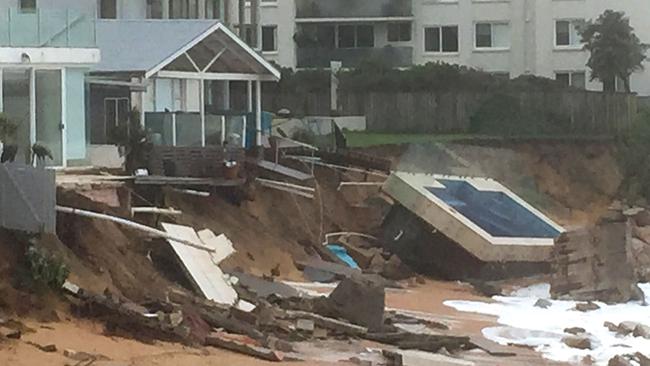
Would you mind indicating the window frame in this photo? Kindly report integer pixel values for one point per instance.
(399, 26)
(440, 28)
(274, 29)
(578, 46)
(355, 27)
(492, 48)
(571, 74)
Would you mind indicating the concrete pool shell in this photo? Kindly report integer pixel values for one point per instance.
(481, 215)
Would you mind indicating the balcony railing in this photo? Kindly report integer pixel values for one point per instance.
(352, 57)
(353, 8)
(46, 28)
(184, 129)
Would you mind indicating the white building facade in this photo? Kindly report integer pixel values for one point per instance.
(507, 37)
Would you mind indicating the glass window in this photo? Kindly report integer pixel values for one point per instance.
(108, 9)
(365, 36)
(346, 36)
(399, 32)
(441, 39)
(326, 35)
(154, 9)
(579, 80)
(562, 37)
(563, 77)
(269, 33)
(450, 39)
(492, 35)
(566, 33)
(28, 5)
(183, 9)
(432, 39)
(213, 9)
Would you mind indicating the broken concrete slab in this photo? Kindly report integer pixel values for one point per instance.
(359, 301)
(593, 263)
(263, 288)
(200, 266)
(420, 358)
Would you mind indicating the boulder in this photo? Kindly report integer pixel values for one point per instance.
(586, 306)
(625, 328)
(575, 330)
(641, 330)
(611, 326)
(619, 361)
(360, 301)
(543, 303)
(579, 342)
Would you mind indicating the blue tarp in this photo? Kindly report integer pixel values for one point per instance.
(343, 255)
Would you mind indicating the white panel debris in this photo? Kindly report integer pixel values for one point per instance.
(223, 246)
(201, 266)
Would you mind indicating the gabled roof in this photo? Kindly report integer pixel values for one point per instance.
(150, 46)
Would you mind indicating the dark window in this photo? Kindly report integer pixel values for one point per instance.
(564, 78)
(183, 9)
(562, 33)
(108, 9)
(399, 32)
(326, 36)
(248, 36)
(269, 38)
(213, 9)
(365, 36)
(432, 39)
(483, 35)
(154, 9)
(450, 39)
(28, 5)
(346, 36)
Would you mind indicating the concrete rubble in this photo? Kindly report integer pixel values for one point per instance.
(594, 263)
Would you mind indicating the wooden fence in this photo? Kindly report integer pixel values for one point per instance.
(533, 113)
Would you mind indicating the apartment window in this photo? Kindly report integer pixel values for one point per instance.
(213, 9)
(575, 79)
(399, 32)
(492, 35)
(108, 9)
(441, 39)
(356, 36)
(154, 9)
(183, 9)
(28, 5)
(269, 38)
(566, 33)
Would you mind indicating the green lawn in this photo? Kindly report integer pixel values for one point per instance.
(365, 139)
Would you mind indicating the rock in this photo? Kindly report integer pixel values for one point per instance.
(360, 301)
(48, 348)
(625, 328)
(575, 330)
(579, 342)
(10, 333)
(586, 306)
(641, 330)
(619, 361)
(642, 359)
(543, 303)
(357, 361)
(305, 325)
(394, 269)
(611, 326)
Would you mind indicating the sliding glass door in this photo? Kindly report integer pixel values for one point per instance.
(49, 124)
(32, 100)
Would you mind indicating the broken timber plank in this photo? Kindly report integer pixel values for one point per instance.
(329, 323)
(284, 170)
(243, 344)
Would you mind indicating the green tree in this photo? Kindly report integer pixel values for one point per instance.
(615, 50)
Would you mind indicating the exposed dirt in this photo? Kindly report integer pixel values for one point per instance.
(574, 183)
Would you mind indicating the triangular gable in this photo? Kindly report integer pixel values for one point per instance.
(231, 44)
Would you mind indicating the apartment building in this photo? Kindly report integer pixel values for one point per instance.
(509, 37)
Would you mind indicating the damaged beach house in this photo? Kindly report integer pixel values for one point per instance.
(140, 169)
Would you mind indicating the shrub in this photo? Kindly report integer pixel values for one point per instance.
(45, 270)
(634, 158)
